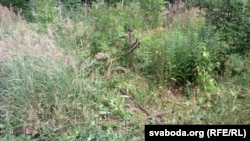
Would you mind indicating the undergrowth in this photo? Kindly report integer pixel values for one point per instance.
(67, 76)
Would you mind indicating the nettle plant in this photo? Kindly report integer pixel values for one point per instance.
(204, 68)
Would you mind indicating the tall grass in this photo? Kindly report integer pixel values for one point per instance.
(173, 54)
(52, 102)
(53, 88)
(42, 95)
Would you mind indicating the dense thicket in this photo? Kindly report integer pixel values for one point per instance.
(232, 19)
(66, 73)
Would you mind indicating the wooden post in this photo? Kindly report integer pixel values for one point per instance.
(130, 36)
(122, 3)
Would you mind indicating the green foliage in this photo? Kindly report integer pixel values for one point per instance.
(44, 13)
(231, 19)
(117, 2)
(151, 57)
(204, 68)
(109, 32)
(19, 5)
(73, 9)
(174, 57)
(37, 86)
(86, 104)
(152, 12)
(237, 70)
(42, 92)
(111, 28)
(13, 138)
(93, 132)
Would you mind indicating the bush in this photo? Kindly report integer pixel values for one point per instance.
(152, 12)
(231, 19)
(110, 29)
(172, 57)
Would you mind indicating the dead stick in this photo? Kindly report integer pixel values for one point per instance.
(157, 119)
(125, 93)
(135, 45)
(144, 110)
(158, 115)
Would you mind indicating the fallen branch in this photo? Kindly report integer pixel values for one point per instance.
(143, 109)
(156, 118)
(150, 117)
(124, 92)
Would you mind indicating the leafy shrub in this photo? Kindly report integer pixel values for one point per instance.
(228, 24)
(44, 13)
(152, 12)
(172, 57)
(231, 19)
(204, 68)
(110, 29)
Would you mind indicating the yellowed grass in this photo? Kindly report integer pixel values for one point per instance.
(17, 39)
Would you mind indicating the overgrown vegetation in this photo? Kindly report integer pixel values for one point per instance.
(66, 71)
